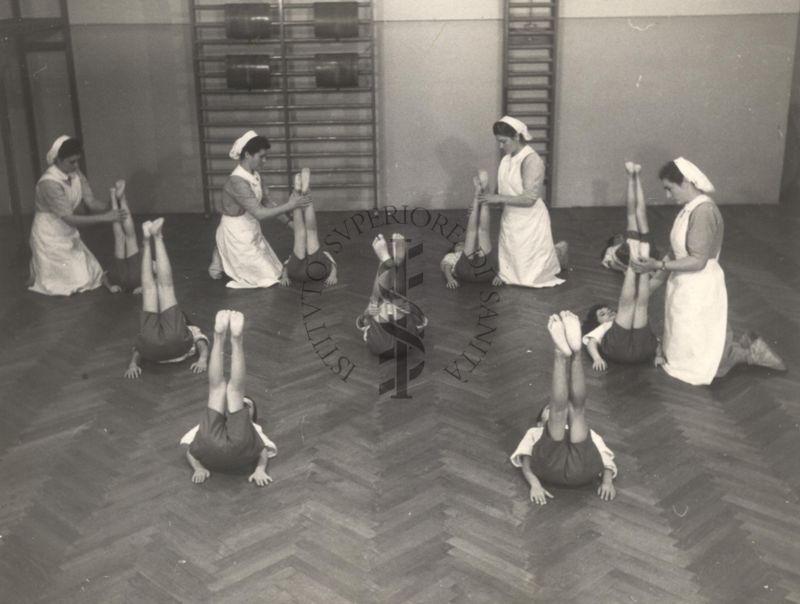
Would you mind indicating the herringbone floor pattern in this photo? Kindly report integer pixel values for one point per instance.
(385, 500)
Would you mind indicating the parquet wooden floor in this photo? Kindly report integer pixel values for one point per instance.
(385, 500)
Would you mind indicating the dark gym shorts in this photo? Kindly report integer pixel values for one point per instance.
(227, 443)
(315, 267)
(623, 252)
(163, 336)
(566, 464)
(126, 272)
(629, 346)
(476, 268)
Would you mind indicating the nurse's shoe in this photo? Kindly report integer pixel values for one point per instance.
(762, 355)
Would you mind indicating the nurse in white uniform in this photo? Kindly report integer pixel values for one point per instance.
(698, 345)
(242, 253)
(526, 253)
(61, 264)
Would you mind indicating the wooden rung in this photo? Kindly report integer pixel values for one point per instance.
(276, 24)
(277, 90)
(295, 139)
(530, 18)
(318, 185)
(292, 107)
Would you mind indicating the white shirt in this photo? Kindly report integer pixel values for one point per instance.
(525, 447)
(598, 333)
(197, 335)
(272, 450)
(450, 260)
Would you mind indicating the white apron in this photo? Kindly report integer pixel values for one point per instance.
(525, 251)
(246, 256)
(61, 264)
(695, 313)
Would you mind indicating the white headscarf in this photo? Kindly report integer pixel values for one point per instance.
(52, 154)
(693, 174)
(518, 126)
(236, 150)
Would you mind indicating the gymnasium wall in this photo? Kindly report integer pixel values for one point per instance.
(790, 185)
(710, 82)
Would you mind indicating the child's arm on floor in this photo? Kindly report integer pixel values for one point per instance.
(538, 493)
(447, 269)
(260, 476)
(606, 489)
(200, 472)
(134, 369)
(201, 364)
(598, 362)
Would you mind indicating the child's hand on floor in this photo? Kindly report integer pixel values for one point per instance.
(452, 284)
(260, 477)
(133, 372)
(607, 491)
(200, 476)
(199, 366)
(539, 494)
(600, 365)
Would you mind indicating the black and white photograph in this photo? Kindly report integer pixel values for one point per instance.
(399, 301)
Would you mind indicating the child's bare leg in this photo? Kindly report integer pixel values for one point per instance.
(383, 276)
(484, 229)
(471, 236)
(578, 428)
(236, 383)
(312, 235)
(630, 200)
(641, 208)
(149, 288)
(299, 227)
(559, 398)
(119, 233)
(398, 248)
(642, 301)
(627, 299)
(128, 227)
(217, 386)
(166, 287)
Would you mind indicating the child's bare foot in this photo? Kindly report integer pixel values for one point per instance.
(155, 227)
(381, 249)
(305, 180)
(146, 226)
(222, 321)
(572, 329)
(630, 168)
(498, 282)
(119, 188)
(637, 168)
(556, 329)
(298, 183)
(399, 248)
(237, 324)
(483, 176)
